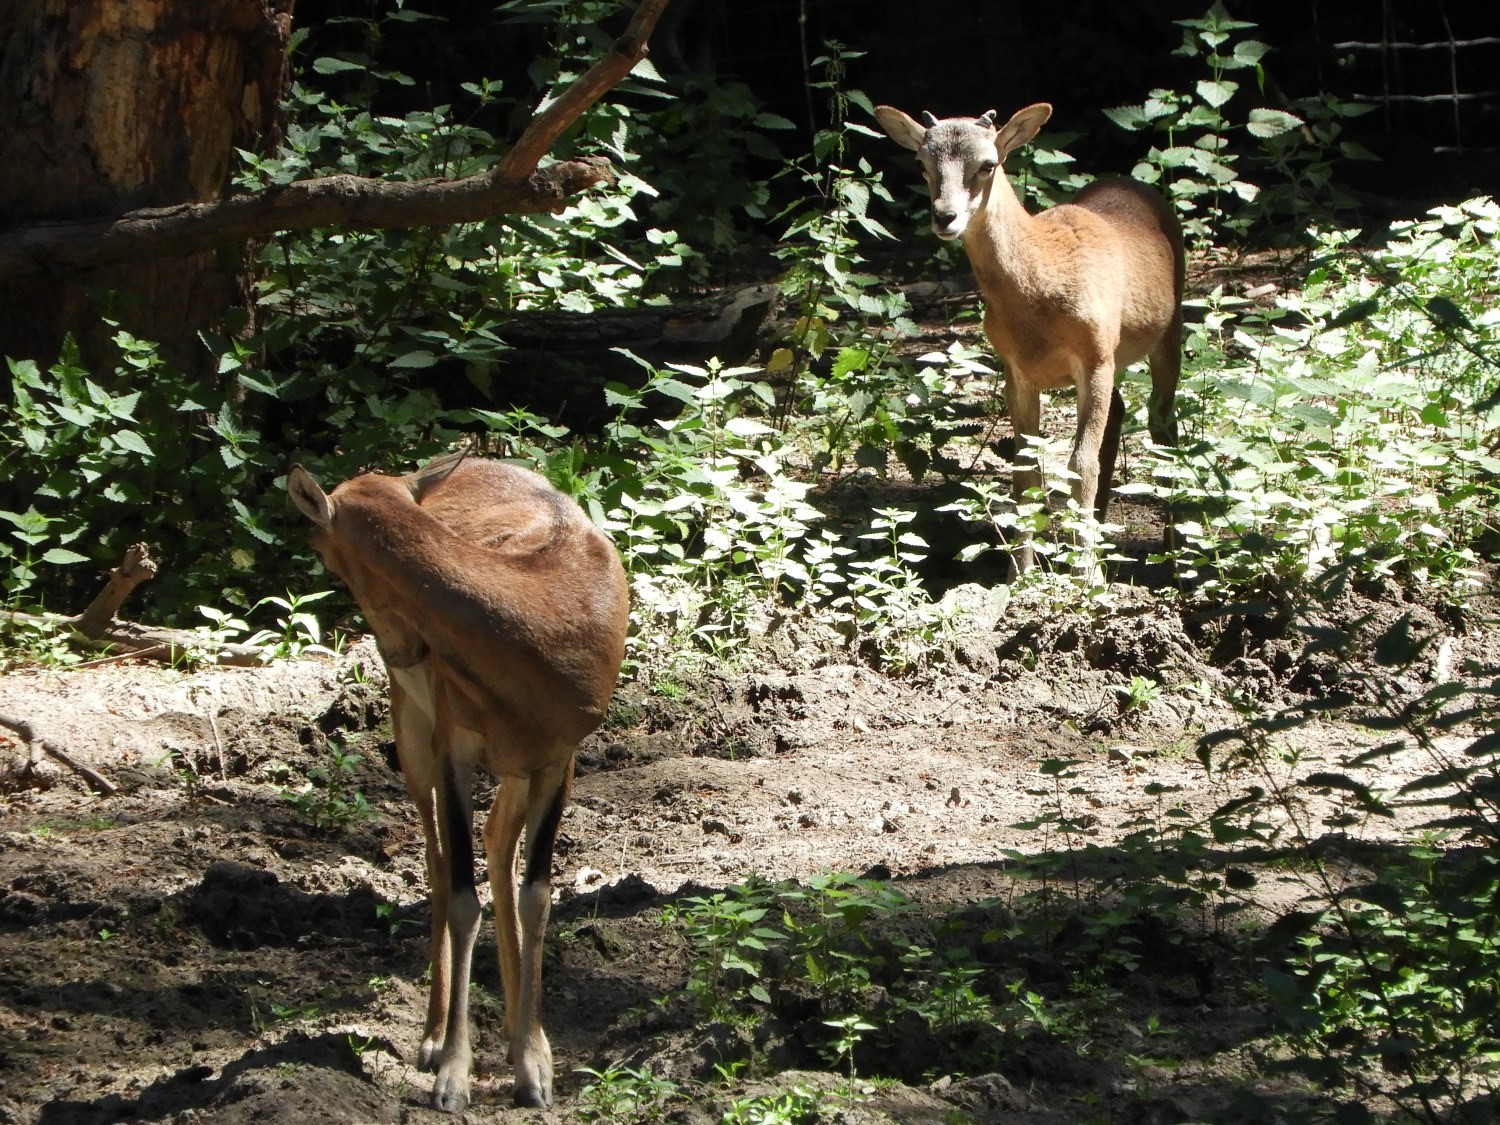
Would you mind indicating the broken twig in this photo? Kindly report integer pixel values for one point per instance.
(137, 566)
(25, 731)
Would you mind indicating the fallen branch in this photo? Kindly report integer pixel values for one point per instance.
(96, 630)
(138, 566)
(514, 186)
(159, 653)
(27, 733)
(171, 646)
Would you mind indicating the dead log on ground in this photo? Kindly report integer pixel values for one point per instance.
(96, 629)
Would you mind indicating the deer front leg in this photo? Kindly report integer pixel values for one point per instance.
(455, 1059)
(1100, 412)
(521, 916)
(411, 719)
(1024, 403)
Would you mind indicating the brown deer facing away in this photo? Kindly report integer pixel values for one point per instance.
(1071, 295)
(500, 612)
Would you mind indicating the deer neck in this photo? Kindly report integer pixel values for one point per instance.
(1002, 241)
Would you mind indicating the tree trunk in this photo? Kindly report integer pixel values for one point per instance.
(111, 105)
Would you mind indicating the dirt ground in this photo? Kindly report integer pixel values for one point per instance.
(194, 948)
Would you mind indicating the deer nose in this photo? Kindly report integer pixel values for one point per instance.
(945, 223)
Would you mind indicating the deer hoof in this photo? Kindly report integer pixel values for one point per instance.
(450, 1093)
(530, 1097)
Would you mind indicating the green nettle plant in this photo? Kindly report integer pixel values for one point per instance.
(720, 537)
(845, 321)
(624, 1095)
(332, 800)
(1197, 166)
(1384, 979)
(1347, 425)
(102, 465)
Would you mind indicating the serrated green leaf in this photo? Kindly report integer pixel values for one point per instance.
(675, 388)
(1314, 414)
(849, 360)
(1131, 117)
(1272, 122)
(773, 121)
(1216, 93)
(77, 417)
(62, 556)
(419, 357)
(330, 65)
(132, 441)
(1258, 393)
(1248, 52)
(747, 427)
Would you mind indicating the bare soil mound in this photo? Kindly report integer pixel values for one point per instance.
(220, 941)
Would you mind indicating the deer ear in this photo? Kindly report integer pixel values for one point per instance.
(310, 499)
(1022, 126)
(900, 127)
(432, 474)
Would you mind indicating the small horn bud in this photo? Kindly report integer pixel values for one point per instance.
(987, 119)
(928, 119)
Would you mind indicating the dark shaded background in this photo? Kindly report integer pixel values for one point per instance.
(965, 56)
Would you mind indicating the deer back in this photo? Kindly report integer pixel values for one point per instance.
(1151, 258)
(495, 580)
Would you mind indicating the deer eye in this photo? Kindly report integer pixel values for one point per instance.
(986, 167)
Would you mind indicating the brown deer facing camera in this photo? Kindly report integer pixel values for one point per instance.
(500, 612)
(1071, 296)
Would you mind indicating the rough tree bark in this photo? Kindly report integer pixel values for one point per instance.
(108, 106)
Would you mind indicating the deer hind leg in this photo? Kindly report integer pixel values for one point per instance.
(411, 718)
(450, 1091)
(1166, 370)
(521, 916)
(1024, 402)
(502, 837)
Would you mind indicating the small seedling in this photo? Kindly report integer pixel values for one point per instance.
(331, 802)
(624, 1095)
(1139, 694)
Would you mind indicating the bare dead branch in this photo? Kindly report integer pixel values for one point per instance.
(53, 249)
(548, 124)
(157, 652)
(514, 186)
(27, 733)
(126, 639)
(138, 566)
